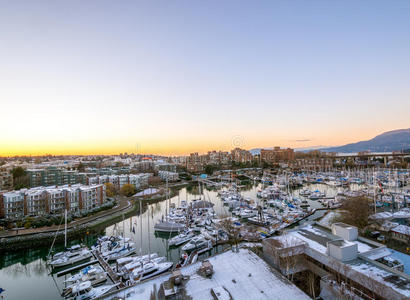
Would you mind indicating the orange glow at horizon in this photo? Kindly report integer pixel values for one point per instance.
(171, 146)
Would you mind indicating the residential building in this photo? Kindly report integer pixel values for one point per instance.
(241, 156)
(51, 200)
(138, 180)
(168, 176)
(54, 176)
(401, 233)
(277, 155)
(6, 179)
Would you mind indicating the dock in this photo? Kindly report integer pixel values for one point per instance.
(107, 268)
(69, 270)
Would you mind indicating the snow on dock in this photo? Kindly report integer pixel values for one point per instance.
(241, 275)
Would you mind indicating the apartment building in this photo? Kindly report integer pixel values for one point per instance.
(277, 155)
(6, 179)
(241, 156)
(170, 176)
(51, 200)
(12, 205)
(54, 176)
(139, 180)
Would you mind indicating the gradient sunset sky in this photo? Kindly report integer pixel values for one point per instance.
(172, 77)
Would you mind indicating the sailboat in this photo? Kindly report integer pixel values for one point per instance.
(168, 226)
(147, 269)
(72, 255)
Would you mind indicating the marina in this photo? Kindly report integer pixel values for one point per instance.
(257, 210)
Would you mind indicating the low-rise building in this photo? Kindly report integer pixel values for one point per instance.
(6, 179)
(170, 176)
(138, 180)
(401, 233)
(51, 200)
(340, 261)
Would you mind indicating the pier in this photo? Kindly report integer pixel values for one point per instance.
(69, 270)
(107, 268)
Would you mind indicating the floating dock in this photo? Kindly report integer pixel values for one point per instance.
(107, 268)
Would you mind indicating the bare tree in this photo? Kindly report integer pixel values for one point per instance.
(232, 231)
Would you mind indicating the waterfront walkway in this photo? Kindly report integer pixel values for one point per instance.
(123, 205)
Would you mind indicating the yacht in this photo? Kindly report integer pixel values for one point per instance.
(181, 238)
(85, 290)
(70, 258)
(95, 274)
(149, 270)
(170, 227)
(126, 270)
(122, 250)
(197, 243)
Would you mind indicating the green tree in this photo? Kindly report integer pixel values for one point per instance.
(20, 178)
(127, 190)
(209, 169)
(80, 167)
(18, 172)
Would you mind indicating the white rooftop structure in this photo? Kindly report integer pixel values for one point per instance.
(243, 275)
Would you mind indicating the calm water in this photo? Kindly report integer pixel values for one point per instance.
(24, 274)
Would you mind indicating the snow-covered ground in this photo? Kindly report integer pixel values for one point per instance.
(243, 275)
(329, 218)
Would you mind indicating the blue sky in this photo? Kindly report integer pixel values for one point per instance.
(178, 76)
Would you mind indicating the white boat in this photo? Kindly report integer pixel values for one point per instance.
(72, 249)
(126, 270)
(70, 258)
(181, 239)
(167, 226)
(95, 274)
(85, 290)
(149, 270)
(196, 243)
(122, 250)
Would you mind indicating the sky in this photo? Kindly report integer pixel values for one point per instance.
(173, 77)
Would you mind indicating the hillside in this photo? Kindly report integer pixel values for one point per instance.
(395, 140)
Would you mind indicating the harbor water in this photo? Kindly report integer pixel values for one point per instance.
(24, 274)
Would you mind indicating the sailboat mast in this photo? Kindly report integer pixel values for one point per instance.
(149, 239)
(141, 226)
(167, 201)
(65, 228)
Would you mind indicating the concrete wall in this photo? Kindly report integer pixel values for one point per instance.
(347, 232)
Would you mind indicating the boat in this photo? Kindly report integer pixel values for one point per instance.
(85, 290)
(167, 226)
(197, 243)
(149, 270)
(95, 274)
(122, 250)
(126, 270)
(70, 258)
(181, 238)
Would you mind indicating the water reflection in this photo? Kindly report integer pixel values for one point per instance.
(24, 274)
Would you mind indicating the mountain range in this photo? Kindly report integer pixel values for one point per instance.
(395, 140)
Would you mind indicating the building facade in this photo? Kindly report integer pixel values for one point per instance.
(277, 155)
(39, 201)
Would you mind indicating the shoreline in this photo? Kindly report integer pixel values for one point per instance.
(95, 225)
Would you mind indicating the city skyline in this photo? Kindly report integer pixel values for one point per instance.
(174, 78)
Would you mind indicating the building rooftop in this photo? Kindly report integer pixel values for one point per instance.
(241, 275)
(317, 238)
